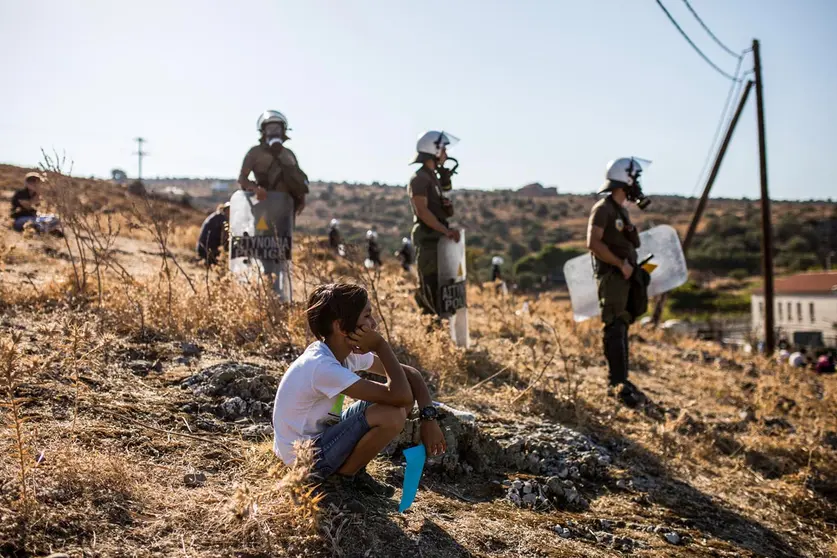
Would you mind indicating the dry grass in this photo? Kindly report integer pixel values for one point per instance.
(97, 458)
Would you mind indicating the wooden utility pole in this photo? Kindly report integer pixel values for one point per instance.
(661, 300)
(140, 154)
(766, 228)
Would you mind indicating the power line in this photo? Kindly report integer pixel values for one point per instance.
(694, 46)
(735, 88)
(140, 154)
(706, 28)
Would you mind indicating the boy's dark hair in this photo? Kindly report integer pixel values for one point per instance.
(335, 301)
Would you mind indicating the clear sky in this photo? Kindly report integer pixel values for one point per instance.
(544, 91)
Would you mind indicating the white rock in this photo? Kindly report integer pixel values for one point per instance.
(464, 416)
(672, 538)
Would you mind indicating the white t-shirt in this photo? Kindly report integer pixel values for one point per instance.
(306, 394)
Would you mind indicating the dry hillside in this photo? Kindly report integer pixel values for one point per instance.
(517, 224)
(137, 390)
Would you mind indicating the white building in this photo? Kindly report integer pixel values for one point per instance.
(805, 311)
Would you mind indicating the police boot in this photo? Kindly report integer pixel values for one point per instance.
(616, 351)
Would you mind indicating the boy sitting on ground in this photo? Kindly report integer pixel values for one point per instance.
(309, 400)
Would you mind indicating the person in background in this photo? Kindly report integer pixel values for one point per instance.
(613, 240)
(496, 262)
(825, 364)
(274, 166)
(797, 359)
(373, 250)
(213, 234)
(24, 208)
(335, 239)
(405, 254)
(431, 212)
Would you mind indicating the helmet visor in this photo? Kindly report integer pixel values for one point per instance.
(446, 140)
(643, 163)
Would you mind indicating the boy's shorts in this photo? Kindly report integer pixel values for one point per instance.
(333, 446)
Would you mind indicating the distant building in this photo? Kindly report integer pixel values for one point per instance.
(222, 188)
(805, 310)
(537, 190)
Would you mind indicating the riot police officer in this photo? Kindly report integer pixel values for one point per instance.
(431, 211)
(613, 241)
(373, 249)
(335, 239)
(274, 166)
(496, 274)
(405, 254)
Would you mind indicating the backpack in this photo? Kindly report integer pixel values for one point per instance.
(295, 180)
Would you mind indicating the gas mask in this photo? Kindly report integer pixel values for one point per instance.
(445, 174)
(634, 194)
(633, 191)
(274, 134)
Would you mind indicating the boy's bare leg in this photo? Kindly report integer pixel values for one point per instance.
(385, 423)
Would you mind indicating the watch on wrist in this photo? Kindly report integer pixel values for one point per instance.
(429, 413)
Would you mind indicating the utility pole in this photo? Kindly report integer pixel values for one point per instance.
(140, 154)
(766, 228)
(661, 300)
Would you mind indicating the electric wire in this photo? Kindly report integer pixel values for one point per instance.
(709, 31)
(694, 46)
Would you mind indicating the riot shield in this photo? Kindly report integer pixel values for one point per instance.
(260, 238)
(452, 292)
(670, 272)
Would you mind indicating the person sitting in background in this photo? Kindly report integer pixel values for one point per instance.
(213, 234)
(309, 400)
(825, 364)
(24, 208)
(797, 359)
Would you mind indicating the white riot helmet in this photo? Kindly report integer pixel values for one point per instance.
(430, 144)
(496, 260)
(624, 173)
(371, 235)
(334, 223)
(271, 116)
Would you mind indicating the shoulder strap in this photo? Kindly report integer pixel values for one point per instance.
(619, 209)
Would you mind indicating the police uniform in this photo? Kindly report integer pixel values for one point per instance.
(425, 183)
(266, 164)
(622, 238)
(334, 239)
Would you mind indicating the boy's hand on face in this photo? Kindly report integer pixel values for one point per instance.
(364, 340)
(433, 438)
